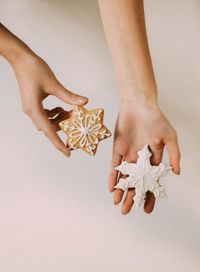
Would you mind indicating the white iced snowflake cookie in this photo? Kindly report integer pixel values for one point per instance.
(143, 177)
(85, 129)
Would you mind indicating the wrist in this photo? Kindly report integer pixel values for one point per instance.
(139, 90)
(140, 98)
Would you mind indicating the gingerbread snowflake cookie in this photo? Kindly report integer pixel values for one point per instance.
(143, 177)
(85, 129)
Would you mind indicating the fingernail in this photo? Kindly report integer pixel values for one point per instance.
(123, 212)
(82, 99)
(177, 172)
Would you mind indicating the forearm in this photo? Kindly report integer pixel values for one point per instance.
(11, 47)
(125, 30)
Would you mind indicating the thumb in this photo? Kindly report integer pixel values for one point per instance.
(70, 97)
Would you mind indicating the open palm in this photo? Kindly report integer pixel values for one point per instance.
(135, 128)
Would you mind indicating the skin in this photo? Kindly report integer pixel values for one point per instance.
(37, 81)
(140, 120)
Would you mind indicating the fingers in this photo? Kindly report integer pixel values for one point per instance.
(174, 154)
(150, 198)
(69, 97)
(117, 196)
(149, 202)
(61, 116)
(128, 202)
(113, 175)
(157, 153)
(53, 112)
(57, 115)
(42, 123)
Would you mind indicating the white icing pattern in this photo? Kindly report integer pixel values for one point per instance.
(143, 177)
(85, 130)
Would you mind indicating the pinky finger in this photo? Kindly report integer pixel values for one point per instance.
(174, 154)
(113, 175)
(53, 112)
(60, 117)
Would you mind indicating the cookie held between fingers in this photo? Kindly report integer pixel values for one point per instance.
(143, 177)
(85, 129)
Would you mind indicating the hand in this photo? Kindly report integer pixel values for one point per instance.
(135, 127)
(37, 81)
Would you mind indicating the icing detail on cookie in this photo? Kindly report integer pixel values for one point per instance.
(85, 129)
(66, 126)
(104, 134)
(143, 177)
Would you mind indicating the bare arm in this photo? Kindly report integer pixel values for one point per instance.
(36, 81)
(124, 26)
(140, 120)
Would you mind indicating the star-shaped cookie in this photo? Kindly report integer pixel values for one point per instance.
(85, 129)
(143, 177)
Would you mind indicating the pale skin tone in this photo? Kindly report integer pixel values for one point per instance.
(37, 81)
(139, 122)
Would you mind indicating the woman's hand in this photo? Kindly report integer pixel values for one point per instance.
(136, 126)
(36, 81)
(140, 121)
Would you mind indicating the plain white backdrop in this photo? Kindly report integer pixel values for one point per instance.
(56, 214)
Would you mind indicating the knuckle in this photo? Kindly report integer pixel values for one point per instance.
(113, 164)
(45, 130)
(37, 126)
(71, 95)
(172, 135)
(157, 141)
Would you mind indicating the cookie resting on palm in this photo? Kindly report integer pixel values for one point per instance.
(143, 177)
(85, 129)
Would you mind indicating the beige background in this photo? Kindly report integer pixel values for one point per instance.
(56, 214)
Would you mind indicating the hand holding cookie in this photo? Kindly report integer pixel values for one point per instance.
(135, 127)
(85, 129)
(37, 81)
